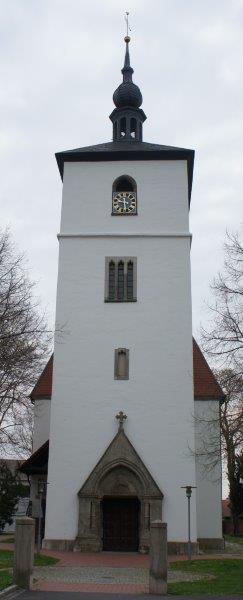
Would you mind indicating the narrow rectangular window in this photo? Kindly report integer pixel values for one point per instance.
(120, 282)
(121, 279)
(121, 370)
(130, 280)
(112, 280)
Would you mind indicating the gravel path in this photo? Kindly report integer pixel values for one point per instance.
(234, 549)
(105, 575)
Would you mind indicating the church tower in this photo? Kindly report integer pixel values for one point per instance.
(122, 430)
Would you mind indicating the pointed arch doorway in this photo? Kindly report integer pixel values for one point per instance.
(120, 518)
(118, 501)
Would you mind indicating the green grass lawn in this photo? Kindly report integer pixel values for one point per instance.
(5, 579)
(6, 559)
(42, 560)
(234, 539)
(6, 565)
(228, 577)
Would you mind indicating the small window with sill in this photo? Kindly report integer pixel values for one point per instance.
(121, 279)
(121, 370)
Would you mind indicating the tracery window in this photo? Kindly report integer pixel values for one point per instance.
(121, 279)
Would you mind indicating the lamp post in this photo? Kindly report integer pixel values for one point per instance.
(189, 489)
(41, 491)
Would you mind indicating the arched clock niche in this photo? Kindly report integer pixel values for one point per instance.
(124, 196)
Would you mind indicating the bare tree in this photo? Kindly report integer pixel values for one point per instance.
(223, 340)
(223, 430)
(24, 341)
(231, 424)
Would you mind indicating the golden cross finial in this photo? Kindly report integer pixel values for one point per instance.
(121, 417)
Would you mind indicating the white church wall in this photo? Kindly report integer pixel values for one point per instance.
(41, 422)
(208, 472)
(157, 398)
(162, 192)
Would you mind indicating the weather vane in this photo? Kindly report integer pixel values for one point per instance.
(127, 23)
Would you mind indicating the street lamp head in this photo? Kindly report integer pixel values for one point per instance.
(188, 489)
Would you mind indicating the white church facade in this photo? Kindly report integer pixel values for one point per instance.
(117, 410)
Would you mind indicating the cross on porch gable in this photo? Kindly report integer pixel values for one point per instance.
(121, 417)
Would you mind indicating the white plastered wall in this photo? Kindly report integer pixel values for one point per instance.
(162, 197)
(158, 397)
(41, 422)
(208, 469)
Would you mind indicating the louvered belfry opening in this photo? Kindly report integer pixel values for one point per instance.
(121, 282)
(125, 183)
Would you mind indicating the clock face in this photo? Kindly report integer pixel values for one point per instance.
(124, 203)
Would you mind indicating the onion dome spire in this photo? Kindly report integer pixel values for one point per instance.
(127, 118)
(128, 93)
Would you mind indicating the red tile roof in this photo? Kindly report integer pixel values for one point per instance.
(226, 512)
(43, 386)
(205, 384)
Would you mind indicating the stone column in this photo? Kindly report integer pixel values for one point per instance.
(158, 558)
(24, 551)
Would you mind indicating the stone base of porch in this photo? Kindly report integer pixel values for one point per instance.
(90, 544)
(60, 545)
(181, 548)
(211, 544)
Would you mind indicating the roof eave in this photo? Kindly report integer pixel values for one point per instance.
(219, 399)
(29, 468)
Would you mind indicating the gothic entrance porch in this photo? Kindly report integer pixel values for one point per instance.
(118, 501)
(121, 524)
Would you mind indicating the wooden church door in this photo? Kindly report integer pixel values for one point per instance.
(121, 524)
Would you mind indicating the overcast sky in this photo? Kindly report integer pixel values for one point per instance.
(60, 63)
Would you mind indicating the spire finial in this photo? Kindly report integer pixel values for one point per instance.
(127, 38)
(127, 70)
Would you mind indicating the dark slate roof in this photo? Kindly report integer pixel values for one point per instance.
(37, 462)
(128, 151)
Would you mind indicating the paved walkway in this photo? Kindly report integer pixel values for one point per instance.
(106, 572)
(32, 595)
